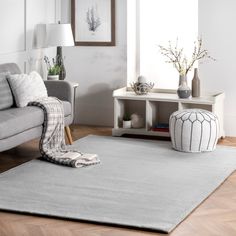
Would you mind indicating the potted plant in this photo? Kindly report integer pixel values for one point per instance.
(182, 64)
(126, 121)
(53, 69)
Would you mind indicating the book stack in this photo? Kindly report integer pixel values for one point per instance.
(161, 127)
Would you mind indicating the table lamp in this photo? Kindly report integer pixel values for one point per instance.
(60, 35)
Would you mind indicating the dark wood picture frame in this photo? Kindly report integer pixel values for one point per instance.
(112, 42)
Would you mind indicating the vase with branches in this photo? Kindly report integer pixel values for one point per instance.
(175, 55)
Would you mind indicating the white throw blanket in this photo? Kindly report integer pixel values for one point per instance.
(52, 143)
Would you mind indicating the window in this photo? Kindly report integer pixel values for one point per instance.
(155, 22)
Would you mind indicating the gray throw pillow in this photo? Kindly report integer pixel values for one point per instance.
(6, 99)
(27, 88)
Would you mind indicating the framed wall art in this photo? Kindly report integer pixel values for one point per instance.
(93, 22)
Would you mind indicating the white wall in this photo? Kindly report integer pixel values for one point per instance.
(217, 26)
(98, 70)
(18, 19)
(157, 28)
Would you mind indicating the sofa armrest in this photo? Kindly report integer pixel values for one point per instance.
(61, 89)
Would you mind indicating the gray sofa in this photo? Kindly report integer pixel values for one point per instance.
(19, 125)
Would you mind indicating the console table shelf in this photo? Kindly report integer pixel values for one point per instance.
(157, 106)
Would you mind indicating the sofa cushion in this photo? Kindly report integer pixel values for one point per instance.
(27, 88)
(16, 120)
(6, 99)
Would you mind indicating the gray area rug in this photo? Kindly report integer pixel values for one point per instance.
(139, 183)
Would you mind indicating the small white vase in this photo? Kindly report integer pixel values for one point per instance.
(126, 124)
(53, 77)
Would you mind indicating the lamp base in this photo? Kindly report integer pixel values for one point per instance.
(60, 62)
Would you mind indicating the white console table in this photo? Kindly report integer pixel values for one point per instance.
(156, 107)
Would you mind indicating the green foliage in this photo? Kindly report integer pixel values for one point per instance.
(54, 70)
(53, 67)
(126, 117)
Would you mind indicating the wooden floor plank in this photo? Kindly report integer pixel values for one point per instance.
(216, 216)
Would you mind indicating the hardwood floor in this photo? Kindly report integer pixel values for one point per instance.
(215, 216)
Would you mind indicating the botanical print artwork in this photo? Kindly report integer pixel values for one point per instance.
(92, 18)
(93, 22)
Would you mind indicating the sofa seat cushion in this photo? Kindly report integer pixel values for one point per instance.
(16, 120)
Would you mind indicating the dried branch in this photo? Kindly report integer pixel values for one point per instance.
(179, 60)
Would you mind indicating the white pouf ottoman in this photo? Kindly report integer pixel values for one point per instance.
(194, 130)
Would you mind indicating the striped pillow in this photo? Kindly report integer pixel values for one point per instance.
(6, 99)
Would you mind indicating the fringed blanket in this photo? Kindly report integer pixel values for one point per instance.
(52, 143)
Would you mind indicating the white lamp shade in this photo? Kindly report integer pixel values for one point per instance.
(39, 37)
(59, 35)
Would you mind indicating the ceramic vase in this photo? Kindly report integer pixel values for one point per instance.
(126, 124)
(183, 91)
(196, 84)
(60, 62)
(53, 77)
